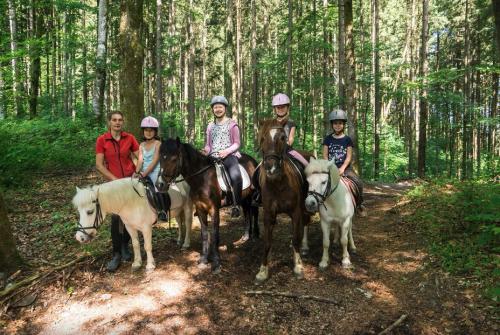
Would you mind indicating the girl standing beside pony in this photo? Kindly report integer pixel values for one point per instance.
(338, 147)
(148, 164)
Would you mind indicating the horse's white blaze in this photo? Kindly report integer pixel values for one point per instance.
(337, 209)
(272, 133)
(121, 197)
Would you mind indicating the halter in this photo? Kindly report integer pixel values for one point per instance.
(320, 198)
(97, 221)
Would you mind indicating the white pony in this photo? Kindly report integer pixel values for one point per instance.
(330, 196)
(127, 198)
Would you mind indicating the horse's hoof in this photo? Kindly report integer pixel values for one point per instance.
(150, 268)
(202, 266)
(185, 247)
(216, 270)
(346, 264)
(323, 266)
(299, 275)
(304, 252)
(136, 266)
(241, 241)
(354, 251)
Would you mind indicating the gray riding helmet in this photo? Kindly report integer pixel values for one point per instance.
(219, 99)
(337, 114)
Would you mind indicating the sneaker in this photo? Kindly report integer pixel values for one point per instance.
(162, 216)
(114, 263)
(362, 212)
(235, 212)
(126, 255)
(256, 199)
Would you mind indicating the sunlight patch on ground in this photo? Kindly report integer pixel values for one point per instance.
(157, 303)
(382, 292)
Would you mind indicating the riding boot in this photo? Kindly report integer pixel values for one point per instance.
(125, 252)
(114, 263)
(116, 238)
(163, 204)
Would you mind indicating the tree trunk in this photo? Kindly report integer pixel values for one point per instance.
(466, 89)
(377, 103)
(16, 81)
(85, 86)
(255, 73)
(341, 51)
(131, 52)
(9, 258)
(159, 67)
(422, 138)
(190, 131)
(289, 87)
(100, 62)
(351, 94)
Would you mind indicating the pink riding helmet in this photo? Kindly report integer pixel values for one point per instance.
(149, 122)
(280, 99)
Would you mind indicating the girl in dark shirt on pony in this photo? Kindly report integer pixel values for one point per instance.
(338, 147)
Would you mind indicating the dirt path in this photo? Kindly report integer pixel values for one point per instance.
(393, 276)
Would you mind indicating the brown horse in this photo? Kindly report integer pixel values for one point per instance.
(177, 158)
(283, 189)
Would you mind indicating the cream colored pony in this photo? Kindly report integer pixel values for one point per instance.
(330, 196)
(127, 198)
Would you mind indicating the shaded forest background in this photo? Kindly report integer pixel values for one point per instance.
(419, 78)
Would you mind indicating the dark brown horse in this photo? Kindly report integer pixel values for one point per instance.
(177, 158)
(283, 189)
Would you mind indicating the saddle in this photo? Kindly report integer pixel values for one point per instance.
(353, 188)
(299, 168)
(151, 194)
(225, 181)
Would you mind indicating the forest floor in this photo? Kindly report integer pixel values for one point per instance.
(393, 278)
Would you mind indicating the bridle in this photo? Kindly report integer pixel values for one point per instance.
(97, 221)
(173, 178)
(320, 198)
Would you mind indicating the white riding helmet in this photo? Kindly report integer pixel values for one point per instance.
(337, 114)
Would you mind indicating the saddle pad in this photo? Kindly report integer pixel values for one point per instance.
(351, 187)
(244, 176)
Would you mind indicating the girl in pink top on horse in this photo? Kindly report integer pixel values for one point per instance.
(281, 108)
(223, 142)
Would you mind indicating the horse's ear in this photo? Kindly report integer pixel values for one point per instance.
(78, 189)
(178, 141)
(312, 159)
(331, 163)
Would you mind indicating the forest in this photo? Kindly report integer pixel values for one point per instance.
(418, 79)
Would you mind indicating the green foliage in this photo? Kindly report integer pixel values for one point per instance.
(34, 146)
(460, 223)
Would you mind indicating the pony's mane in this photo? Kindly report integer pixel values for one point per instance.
(170, 146)
(110, 194)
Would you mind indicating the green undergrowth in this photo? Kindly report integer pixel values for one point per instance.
(460, 223)
(31, 147)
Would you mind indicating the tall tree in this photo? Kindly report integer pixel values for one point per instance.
(341, 53)
(190, 131)
(289, 87)
(422, 132)
(131, 53)
(377, 102)
(158, 57)
(100, 61)
(16, 86)
(351, 91)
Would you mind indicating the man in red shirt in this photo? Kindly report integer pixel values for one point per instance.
(115, 151)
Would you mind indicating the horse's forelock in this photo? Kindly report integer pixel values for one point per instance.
(83, 196)
(317, 166)
(169, 146)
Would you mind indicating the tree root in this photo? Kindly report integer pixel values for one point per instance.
(394, 325)
(293, 295)
(7, 293)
